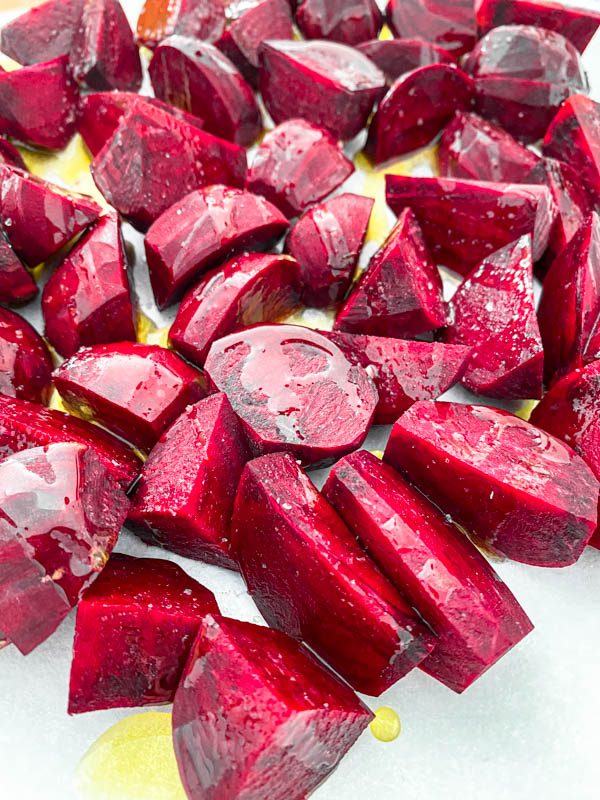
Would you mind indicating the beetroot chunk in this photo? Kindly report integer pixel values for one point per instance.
(292, 549)
(476, 617)
(450, 25)
(339, 20)
(25, 363)
(134, 631)
(327, 83)
(394, 57)
(525, 493)
(43, 33)
(60, 515)
(10, 155)
(297, 164)
(326, 242)
(248, 289)
(159, 19)
(135, 390)
(303, 718)
(184, 499)
(16, 284)
(485, 216)
(400, 294)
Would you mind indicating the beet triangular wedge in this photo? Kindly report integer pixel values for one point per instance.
(16, 284)
(26, 362)
(43, 33)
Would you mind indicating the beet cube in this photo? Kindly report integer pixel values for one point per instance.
(43, 33)
(339, 20)
(394, 57)
(204, 20)
(16, 284)
(450, 25)
(25, 362)
(10, 155)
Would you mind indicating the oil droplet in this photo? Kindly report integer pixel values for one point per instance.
(524, 412)
(377, 453)
(385, 33)
(386, 725)
(56, 402)
(149, 333)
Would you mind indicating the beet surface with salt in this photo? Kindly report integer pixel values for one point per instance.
(43, 33)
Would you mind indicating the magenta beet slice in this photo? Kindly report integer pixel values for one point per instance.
(159, 19)
(10, 155)
(25, 362)
(525, 493)
(416, 108)
(184, 498)
(87, 299)
(250, 288)
(394, 57)
(16, 284)
(202, 230)
(475, 616)
(134, 631)
(326, 242)
(338, 20)
(297, 164)
(327, 83)
(60, 514)
(485, 216)
(400, 294)
(292, 547)
(450, 25)
(43, 33)
(239, 672)
(135, 390)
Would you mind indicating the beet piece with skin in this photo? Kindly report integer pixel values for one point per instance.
(250, 288)
(394, 57)
(449, 25)
(475, 616)
(42, 33)
(16, 284)
(203, 20)
(135, 390)
(526, 494)
(304, 719)
(10, 156)
(25, 362)
(339, 21)
(60, 515)
(294, 391)
(298, 558)
(134, 630)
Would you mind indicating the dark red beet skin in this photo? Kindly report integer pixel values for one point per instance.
(294, 391)
(525, 493)
(450, 25)
(134, 631)
(10, 155)
(135, 390)
(184, 498)
(443, 575)
(60, 515)
(43, 33)
(162, 18)
(394, 57)
(292, 549)
(25, 362)
(284, 720)
(339, 20)
(16, 284)
(250, 288)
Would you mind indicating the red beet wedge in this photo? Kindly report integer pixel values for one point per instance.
(450, 25)
(10, 155)
(16, 284)
(135, 390)
(437, 568)
(326, 242)
(394, 57)
(134, 631)
(338, 20)
(294, 391)
(303, 718)
(25, 363)
(162, 18)
(525, 493)
(60, 515)
(43, 33)
(293, 548)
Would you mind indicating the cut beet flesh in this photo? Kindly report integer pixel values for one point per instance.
(184, 498)
(326, 243)
(10, 155)
(25, 425)
(60, 515)
(327, 83)
(400, 294)
(525, 493)
(43, 33)
(250, 288)
(16, 284)
(292, 548)
(394, 57)
(339, 20)
(437, 568)
(464, 221)
(297, 164)
(39, 104)
(162, 18)
(493, 312)
(135, 390)
(199, 79)
(25, 362)
(450, 25)
(294, 391)
(202, 230)
(134, 631)
(416, 108)
(303, 718)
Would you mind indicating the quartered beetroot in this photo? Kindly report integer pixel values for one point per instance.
(294, 391)
(327, 83)
(525, 493)
(60, 515)
(10, 155)
(134, 631)
(184, 498)
(43, 33)
(87, 299)
(202, 230)
(159, 19)
(443, 575)
(292, 549)
(493, 312)
(16, 284)
(250, 288)
(416, 108)
(297, 164)
(303, 718)
(199, 79)
(394, 57)
(339, 20)
(464, 221)
(450, 25)
(135, 390)
(326, 243)
(400, 293)
(25, 362)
